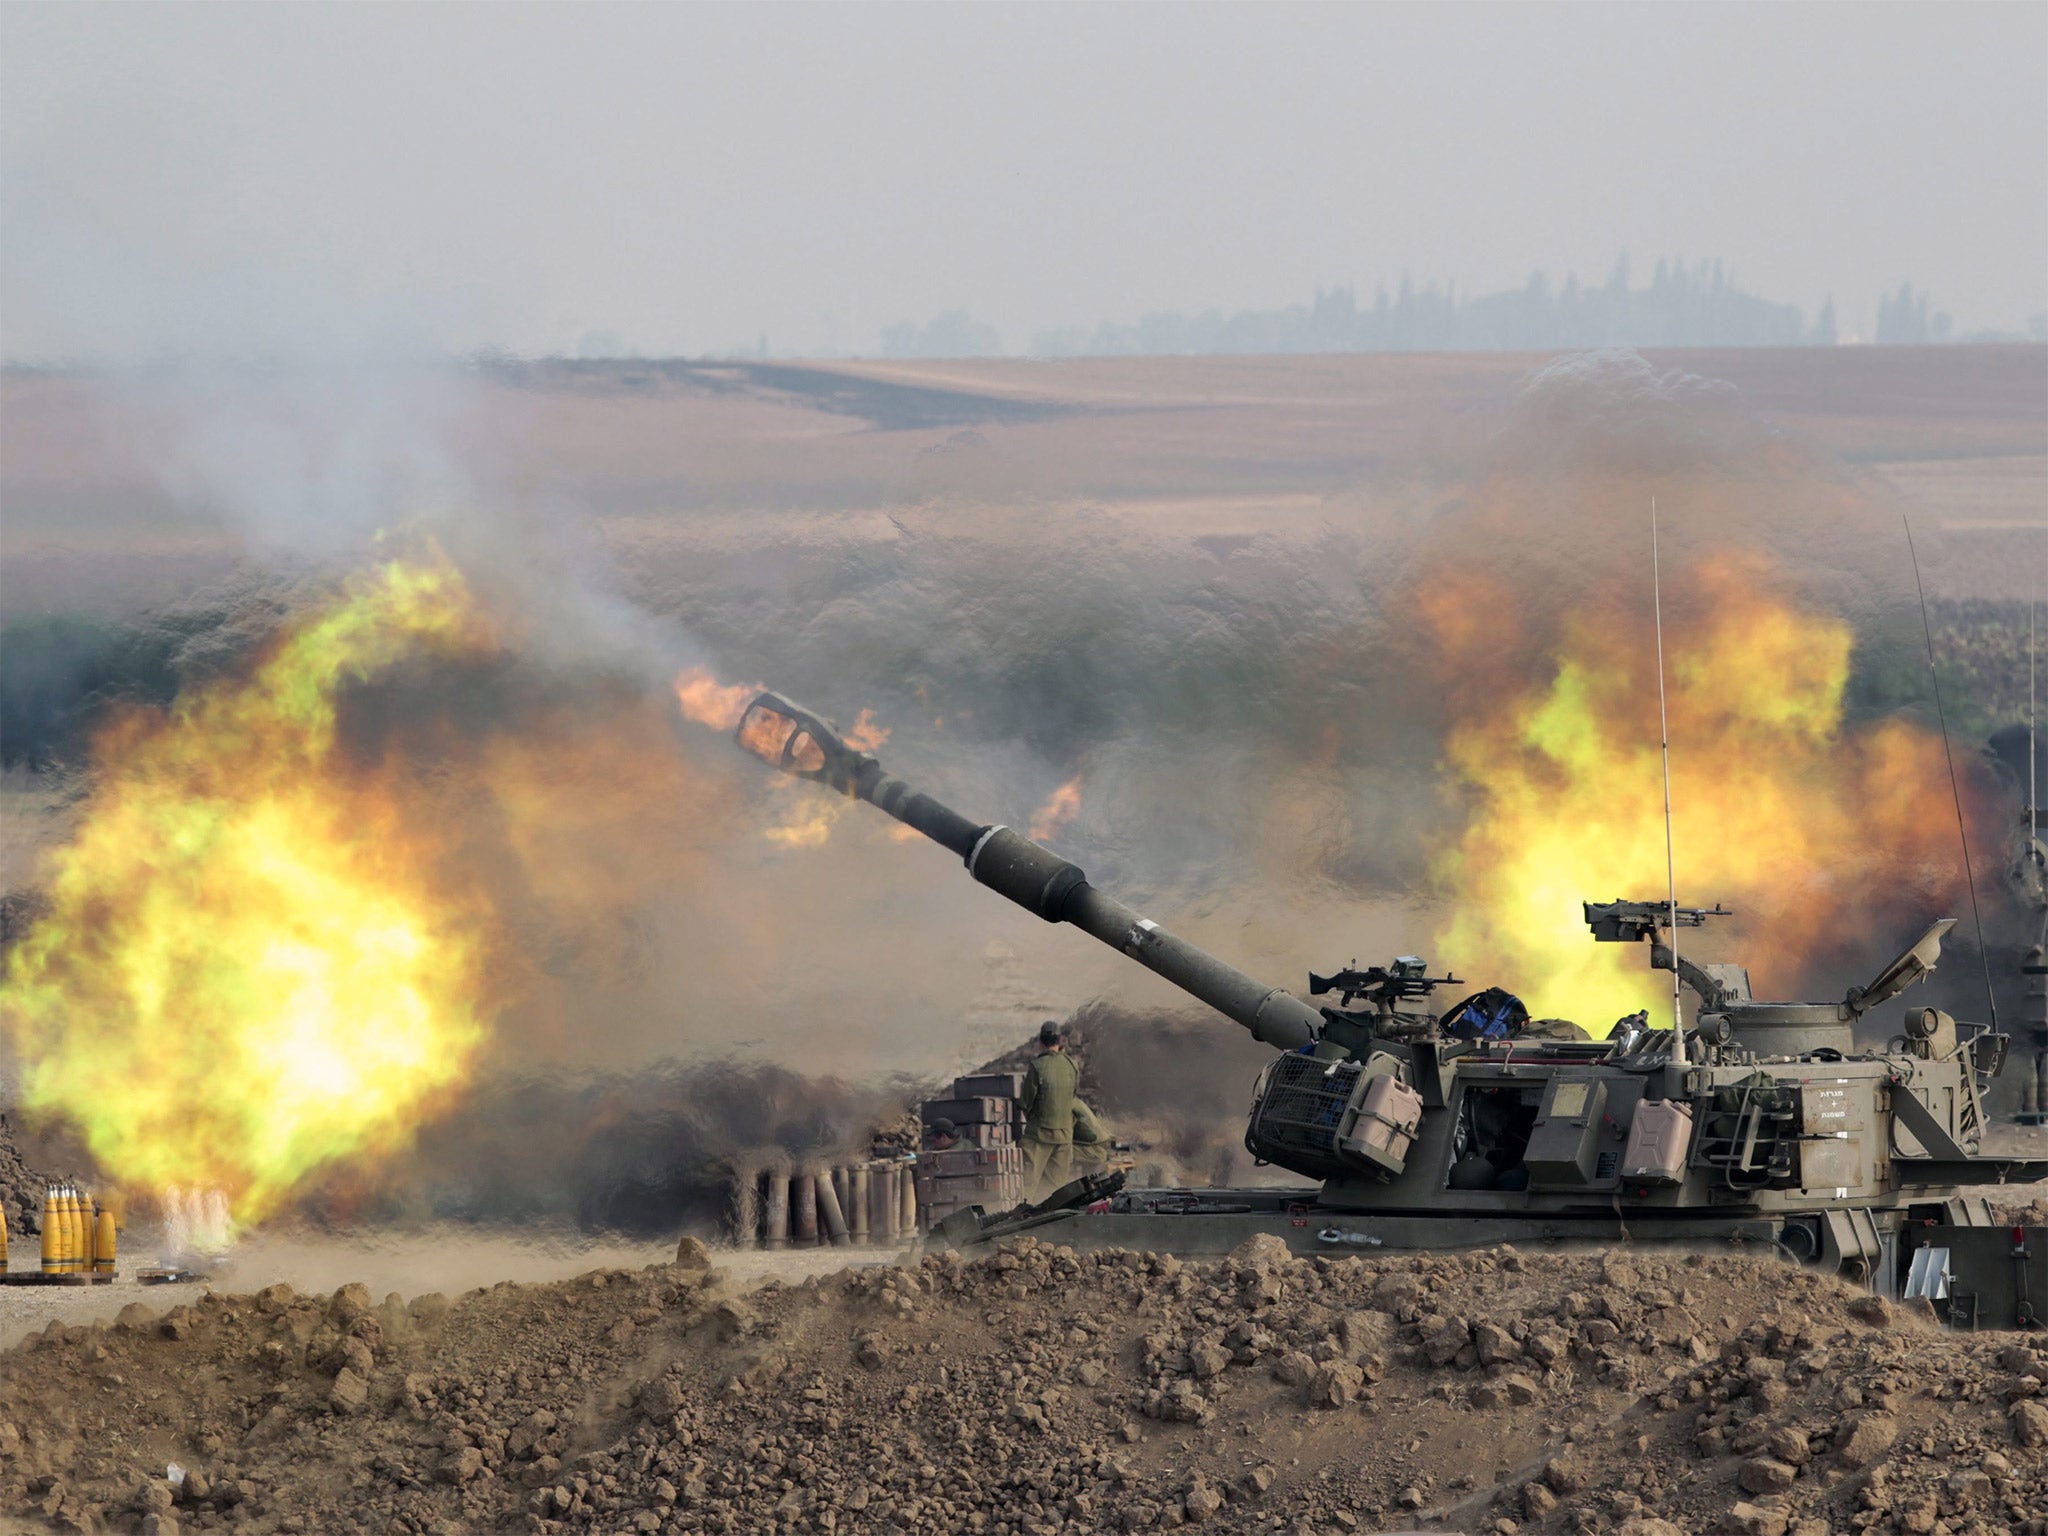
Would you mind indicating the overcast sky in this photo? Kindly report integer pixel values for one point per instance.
(692, 176)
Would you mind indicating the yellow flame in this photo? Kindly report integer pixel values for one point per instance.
(1811, 830)
(1060, 807)
(250, 967)
(810, 819)
(723, 707)
(867, 735)
(704, 699)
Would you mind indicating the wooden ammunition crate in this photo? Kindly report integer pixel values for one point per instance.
(947, 1162)
(993, 1085)
(979, 1109)
(940, 1195)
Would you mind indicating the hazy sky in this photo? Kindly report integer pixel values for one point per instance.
(690, 176)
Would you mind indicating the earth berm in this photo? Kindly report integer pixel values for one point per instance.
(1037, 1390)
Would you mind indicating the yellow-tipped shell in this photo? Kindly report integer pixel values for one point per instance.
(51, 1236)
(74, 1255)
(103, 1242)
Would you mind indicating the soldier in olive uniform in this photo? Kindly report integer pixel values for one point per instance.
(1049, 1092)
(1091, 1147)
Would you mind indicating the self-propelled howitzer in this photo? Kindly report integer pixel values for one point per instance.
(1763, 1122)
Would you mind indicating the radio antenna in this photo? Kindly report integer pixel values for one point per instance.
(1954, 787)
(1664, 737)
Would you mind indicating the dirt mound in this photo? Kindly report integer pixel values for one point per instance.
(1037, 1389)
(21, 1187)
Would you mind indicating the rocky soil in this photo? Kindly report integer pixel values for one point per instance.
(21, 1193)
(1036, 1389)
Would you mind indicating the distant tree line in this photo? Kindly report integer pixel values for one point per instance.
(1902, 319)
(952, 334)
(1683, 305)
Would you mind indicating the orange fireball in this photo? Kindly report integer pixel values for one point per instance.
(251, 966)
(1060, 807)
(1811, 828)
(707, 701)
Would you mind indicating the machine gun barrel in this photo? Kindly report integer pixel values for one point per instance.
(794, 739)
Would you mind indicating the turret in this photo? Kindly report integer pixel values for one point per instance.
(1728, 1014)
(794, 739)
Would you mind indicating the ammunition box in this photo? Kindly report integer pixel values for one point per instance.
(977, 1109)
(989, 1085)
(963, 1185)
(980, 1138)
(950, 1162)
(939, 1195)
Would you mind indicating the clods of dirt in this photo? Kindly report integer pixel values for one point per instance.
(1036, 1389)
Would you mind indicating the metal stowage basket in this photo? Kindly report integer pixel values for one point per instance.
(1300, 1113)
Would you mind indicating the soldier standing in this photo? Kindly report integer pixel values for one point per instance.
(1049, 1092)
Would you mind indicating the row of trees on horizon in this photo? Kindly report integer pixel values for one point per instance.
(1682, 306)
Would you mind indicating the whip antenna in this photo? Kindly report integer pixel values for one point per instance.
(1664, 735)
(1954, 788)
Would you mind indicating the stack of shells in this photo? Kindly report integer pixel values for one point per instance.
(78, 1234)
(810, 1206)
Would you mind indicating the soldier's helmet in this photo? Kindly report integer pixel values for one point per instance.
(1049, 1032)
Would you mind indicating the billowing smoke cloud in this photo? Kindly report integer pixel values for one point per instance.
(1257, 722)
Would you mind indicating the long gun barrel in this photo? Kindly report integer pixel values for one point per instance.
(792, 738)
